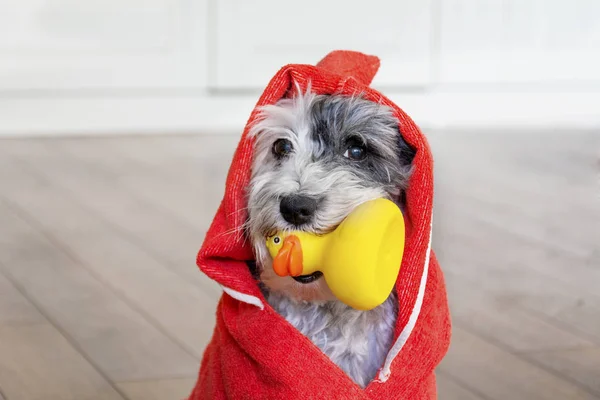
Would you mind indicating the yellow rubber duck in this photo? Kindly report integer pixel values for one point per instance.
(359, 260)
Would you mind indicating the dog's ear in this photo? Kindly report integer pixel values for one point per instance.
(406, 153)
(253, 268)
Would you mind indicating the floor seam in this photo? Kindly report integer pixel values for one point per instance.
(118, 294)
(522, 357)
(72, 342)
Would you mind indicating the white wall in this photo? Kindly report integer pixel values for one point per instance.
(138, 66)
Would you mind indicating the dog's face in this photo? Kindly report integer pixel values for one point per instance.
(315, 159)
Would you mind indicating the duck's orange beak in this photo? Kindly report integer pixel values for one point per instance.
(288, 260)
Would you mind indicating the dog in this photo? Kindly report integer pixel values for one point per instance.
(316, 158)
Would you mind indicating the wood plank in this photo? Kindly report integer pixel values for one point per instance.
(583, 317)
(69, 221)
(118, 339)
(154, 155)
(542, 153)
(172, 243)
(529, 275)
(579, 236)
(169, 240)
(178, 251)
(129, 270)
(180, 308)
(553, 304)
(492, 241)
(27, 147)
(484, 312)
(449, 389)
(559, 223)
(581, 365)
(151, 227)
(523, 287)
(37, 363)
(173, 174)
(500, 375)
(176, 174)
(158, 389)
(528, 164)
(523, 199)
(14, 308)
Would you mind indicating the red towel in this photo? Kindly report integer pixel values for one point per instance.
(254, 353)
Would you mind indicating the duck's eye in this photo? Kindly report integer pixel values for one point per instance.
(356, 152)
(282, 147)
(276, 240)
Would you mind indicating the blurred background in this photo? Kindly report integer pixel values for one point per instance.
(118, 119)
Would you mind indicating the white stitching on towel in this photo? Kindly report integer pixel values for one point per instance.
(245, 298)
(385, 372)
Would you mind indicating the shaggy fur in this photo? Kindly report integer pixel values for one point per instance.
(357, 341)
(322, 133)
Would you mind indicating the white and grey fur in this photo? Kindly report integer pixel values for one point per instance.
(321, 129)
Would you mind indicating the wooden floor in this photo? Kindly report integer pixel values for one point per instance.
(100, 297)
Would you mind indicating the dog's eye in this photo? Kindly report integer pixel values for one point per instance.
(356, 152)
(282, 147)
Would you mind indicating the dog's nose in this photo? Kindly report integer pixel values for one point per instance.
(297, 209)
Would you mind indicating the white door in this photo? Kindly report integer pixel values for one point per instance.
(255, 38)
(520, 41)
(102, 44)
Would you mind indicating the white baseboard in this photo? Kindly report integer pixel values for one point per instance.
(39, 116)
(123, 115)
